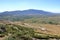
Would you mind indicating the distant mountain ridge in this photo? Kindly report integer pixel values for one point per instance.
(27, 12)
(17, 15)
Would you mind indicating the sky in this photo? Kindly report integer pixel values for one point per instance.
(46, 5)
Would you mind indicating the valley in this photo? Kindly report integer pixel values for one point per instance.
(29, 25)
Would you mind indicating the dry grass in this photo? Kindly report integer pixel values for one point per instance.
(50, 29)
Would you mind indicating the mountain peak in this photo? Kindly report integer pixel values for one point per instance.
(27, 12)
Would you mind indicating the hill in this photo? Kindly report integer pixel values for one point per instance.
(29, 25)
(25, 14)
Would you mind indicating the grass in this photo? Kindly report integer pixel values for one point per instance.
(23, 33)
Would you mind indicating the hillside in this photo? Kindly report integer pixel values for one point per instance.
(25, 14)
(26, 31)
(29, 25)
(31, 16)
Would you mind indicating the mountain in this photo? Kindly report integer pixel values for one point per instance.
(27, 12)
(18, 15)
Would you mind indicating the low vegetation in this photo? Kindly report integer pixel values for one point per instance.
(17, 32)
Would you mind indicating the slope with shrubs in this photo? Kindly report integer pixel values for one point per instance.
(17, 32)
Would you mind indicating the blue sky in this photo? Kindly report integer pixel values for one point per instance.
(46, 5)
